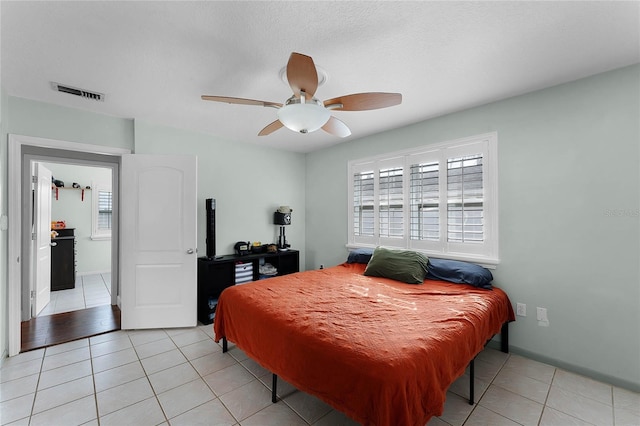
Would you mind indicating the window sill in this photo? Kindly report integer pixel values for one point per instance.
(100, 237)
(486, 262)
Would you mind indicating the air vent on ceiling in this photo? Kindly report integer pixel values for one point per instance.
(78, 92)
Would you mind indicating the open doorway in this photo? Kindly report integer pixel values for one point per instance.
(81, 219)
(23, 151)
(78, 220)
(74, 209)
(165, 294)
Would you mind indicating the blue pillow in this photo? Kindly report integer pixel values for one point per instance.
(360, 255)
(459, 272)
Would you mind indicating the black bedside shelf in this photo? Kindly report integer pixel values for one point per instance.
(216, 274)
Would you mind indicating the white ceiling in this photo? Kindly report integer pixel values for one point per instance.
(153, 60)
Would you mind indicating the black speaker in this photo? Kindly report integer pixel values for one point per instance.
(210, 205)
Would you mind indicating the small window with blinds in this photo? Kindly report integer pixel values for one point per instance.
(440, 199)
(105, 210)
(102, 210)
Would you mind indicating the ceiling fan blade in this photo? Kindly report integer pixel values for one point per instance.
(241, 101)
(336, 128)
(364, 101)
(302, 74)
(271, 128)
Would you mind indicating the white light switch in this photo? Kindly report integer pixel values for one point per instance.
(541, 314)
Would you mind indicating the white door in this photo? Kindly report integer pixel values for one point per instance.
(42, 243)
(158, 241)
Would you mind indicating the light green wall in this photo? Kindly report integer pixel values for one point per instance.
(92, 256)
(31, 118)
(568, 158)
(248, 182)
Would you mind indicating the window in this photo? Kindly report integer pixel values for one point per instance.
(105, 209)
(102, 210)
(438, 199)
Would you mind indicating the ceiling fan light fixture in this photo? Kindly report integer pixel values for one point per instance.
(303, 116)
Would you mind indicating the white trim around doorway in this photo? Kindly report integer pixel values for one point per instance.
(14, 250)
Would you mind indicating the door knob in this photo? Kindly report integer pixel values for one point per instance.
(53, 244)
(190, 251)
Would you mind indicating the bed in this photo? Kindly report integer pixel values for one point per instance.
(382, 351)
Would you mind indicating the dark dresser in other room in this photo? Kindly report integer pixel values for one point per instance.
(63, 260)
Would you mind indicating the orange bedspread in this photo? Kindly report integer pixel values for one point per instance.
(381, 351)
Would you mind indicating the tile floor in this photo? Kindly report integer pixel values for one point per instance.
(90, 290)
(181, 377)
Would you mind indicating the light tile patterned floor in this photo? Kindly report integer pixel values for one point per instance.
(181, 377)
(90, 291)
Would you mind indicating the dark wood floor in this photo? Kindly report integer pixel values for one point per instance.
(51, 330)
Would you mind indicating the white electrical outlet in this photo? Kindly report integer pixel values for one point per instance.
(521, 309)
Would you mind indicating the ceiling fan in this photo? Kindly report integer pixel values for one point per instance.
(304, 113)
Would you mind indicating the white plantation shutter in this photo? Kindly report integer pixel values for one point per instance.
(439, 199)
(391, 202)
(465, 195)
(363, 197)
(425, 202)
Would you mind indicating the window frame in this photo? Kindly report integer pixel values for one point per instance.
(96, 188)
(486, 252)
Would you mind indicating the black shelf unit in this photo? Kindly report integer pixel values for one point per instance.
(216, 274)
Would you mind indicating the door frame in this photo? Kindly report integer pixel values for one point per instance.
(23, 149)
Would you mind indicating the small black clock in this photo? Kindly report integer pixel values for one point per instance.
(281, 218)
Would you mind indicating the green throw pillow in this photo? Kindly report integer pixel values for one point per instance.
(401, 265)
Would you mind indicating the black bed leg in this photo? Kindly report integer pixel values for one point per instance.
(471, 380)
(224, 345)
(274, 386)
(504, 338)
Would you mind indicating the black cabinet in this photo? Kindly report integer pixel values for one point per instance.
(214, 275)
(63, 260)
